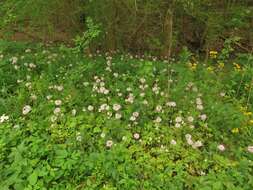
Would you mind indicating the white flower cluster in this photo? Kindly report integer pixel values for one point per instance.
(104, 107)
(116, 107)
(99, 86)
(192, 87)
(171, 104)
(4, 118)
(130, 98)
(57, 87)
(143, 84)
(134, 116)
(108, 63)
(158, 119)
(26, 109)
(179, 122)
(156, 89)
(199, 104)
(189, 140)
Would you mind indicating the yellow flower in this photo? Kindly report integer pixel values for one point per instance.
(213, 54)
(237, 66)
(247, 113)
(235, 130)
(251, 121)
(192, 66)
(221, 65)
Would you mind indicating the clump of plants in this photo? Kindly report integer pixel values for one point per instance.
(113, 122)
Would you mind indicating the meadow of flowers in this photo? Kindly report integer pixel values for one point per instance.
(123, 121)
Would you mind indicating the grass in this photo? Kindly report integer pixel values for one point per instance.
(102, 122)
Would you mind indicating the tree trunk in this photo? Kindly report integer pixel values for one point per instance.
(168, 34)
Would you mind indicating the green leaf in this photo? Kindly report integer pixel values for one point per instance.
(97, 130)
(33, 178)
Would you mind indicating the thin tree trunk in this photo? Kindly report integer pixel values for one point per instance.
(168, 33)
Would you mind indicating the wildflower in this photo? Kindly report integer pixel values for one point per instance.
(4, 118)
(132, 118)
(213, 54)
(130, 98)
(158, 120)
(109, 114)
(173, 142)
(192, 126)
(32, 65)
(16, 126)
(188, 136)
(178, 119)
(193, 66)
(142, 80)
(237, 66)
(53, 118)
(136, 114)
(198, 101)
(222, 94)
(171, 104)
(90, 108)
(189, 141)
(247, 113)
(197, 144)
(136, 136)
(28, 85)
(78, 137)
(73, 112)
(177, 125)
(58, 102)
(200, 107)
(250, 149)
(115, 75)
(57, 111)
(33, 97)
(116, 107)
(26, 109)
(221, 147)
(156, 89)
(190, 119)
(158, 108)
(202, 173)
(59, 88)
(203, 117)
(118, 115)
(109, 143)
(104, 107)
(27, 50)
(235, 130)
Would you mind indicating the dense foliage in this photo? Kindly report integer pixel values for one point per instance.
(124, 122)
(126, 94)
(158, 26)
